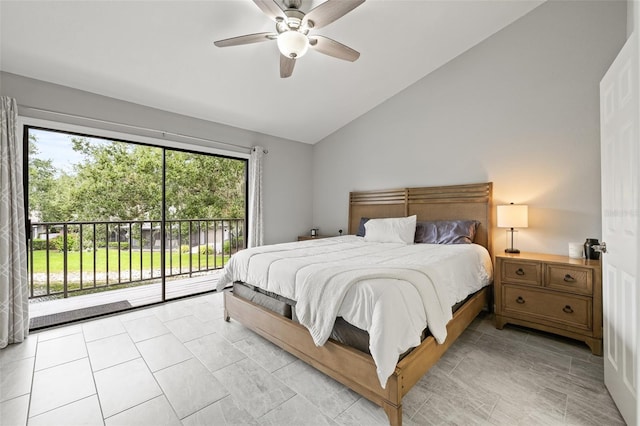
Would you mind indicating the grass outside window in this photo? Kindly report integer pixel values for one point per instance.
(56, 261)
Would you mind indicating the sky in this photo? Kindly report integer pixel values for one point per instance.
(56, 146)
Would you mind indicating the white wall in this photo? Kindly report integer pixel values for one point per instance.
(287, 180)
(521, 110)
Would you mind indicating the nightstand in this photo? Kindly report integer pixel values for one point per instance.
(553, 293)
(309, 237)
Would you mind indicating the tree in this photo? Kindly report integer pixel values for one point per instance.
(48, 188)
(123, 181)
(117, 180)
(203, 186)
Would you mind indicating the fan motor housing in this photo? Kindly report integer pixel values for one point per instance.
(292, 4)
(293, 22)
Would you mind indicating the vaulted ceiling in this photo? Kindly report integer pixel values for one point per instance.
(161, 54)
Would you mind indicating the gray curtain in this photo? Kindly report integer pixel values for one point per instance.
(14, 283)
(255, 197)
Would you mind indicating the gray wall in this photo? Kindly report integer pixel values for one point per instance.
(287, 180)
(521, 110)
(631, 5)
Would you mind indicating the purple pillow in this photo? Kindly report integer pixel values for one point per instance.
(446, 232)
(361, 229)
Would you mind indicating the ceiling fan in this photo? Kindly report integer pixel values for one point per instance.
(292, 31)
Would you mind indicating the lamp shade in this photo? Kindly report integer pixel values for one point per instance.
(293, 44)
(513, 216)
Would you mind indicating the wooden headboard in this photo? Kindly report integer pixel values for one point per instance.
(428, 203)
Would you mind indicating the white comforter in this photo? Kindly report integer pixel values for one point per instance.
(391, 290)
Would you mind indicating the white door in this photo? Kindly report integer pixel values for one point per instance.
(620, 158)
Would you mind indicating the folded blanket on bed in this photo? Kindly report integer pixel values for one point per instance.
(322, 292)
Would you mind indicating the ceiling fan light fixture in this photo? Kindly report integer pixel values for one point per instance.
(293, 44)
(292, 29)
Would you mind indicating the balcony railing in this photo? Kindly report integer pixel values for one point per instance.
(69, 258)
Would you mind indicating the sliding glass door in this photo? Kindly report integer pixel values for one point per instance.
(204, 218)
(116, 224)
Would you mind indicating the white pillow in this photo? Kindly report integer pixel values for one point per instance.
(391, 230)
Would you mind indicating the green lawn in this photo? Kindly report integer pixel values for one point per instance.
(56, 261)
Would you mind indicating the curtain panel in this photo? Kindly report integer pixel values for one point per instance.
(255, 197)
(14, 282)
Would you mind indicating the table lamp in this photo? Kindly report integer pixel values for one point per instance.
(513, 216)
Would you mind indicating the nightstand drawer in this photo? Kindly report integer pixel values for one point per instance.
(522, 272)
(574, 280)
(574, 311)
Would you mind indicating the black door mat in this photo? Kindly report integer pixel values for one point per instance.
(77, 314)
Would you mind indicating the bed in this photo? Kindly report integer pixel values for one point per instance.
(353, 367)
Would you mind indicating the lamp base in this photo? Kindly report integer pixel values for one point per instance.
(511, 236)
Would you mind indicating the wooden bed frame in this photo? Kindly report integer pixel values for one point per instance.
(354, 368)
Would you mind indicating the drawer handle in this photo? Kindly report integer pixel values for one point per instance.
(519, 271)
(567, 309)
(520, 300)
(568, 278)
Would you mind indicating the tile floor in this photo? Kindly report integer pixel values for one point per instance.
(181, 364)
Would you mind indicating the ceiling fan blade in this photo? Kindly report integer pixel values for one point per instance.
(286, 66)
(270, 8)
(329, 11)
(333, 48)
(246, 39)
